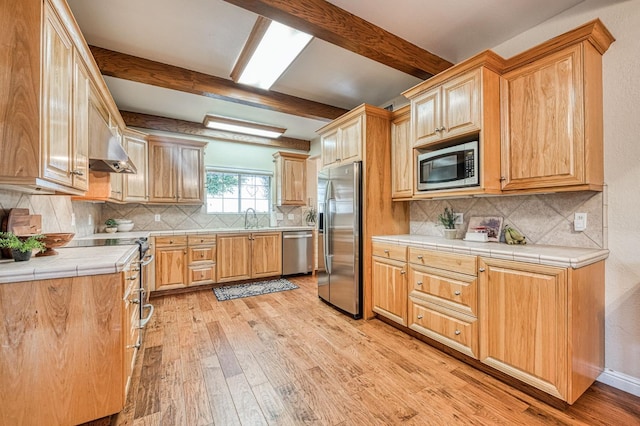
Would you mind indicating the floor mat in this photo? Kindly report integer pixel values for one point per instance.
(257, 288)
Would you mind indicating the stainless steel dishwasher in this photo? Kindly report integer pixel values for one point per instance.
(297, 252)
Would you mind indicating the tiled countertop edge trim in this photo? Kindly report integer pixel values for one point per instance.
(529, 254)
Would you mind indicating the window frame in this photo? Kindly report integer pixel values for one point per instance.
(240, 173)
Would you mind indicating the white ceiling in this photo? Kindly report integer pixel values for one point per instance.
(207, 36)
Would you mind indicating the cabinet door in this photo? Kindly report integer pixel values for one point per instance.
(543, 122)
(330, 148)
(389, 282)
(57, 83)
(117, 190)
(294, 181)
(401, 158)
(461, 105)
(523, 314)
(162, 169)
(266, 254)
(426, 117)
(80, 161)
(171, 267)
(234, 257)
(135, 185)
(350, 140)
(190, 175)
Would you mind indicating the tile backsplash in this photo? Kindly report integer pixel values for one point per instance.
(182, 217)
(543, 219)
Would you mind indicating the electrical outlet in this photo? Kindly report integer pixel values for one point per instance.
(579, 222)
(157, 218)
(459, 218)
(73, 219)
(90, 220)
(279, 216)
(291, 216)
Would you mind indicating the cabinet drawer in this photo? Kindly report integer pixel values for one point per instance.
(196, 240)
(456, 291)
(179, 240)
(390, 251)
(202, 275)
(462, 263)
(202, 254)
(445, 327)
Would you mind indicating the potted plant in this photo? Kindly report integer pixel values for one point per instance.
(448, 220)
(111, 225)
(21, 247)
(310, 216)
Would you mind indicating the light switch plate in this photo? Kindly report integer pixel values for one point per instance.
(156, 218)
(579, 222)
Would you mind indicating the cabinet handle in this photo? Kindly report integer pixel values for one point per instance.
(133, 277)
(502, 178)
(437, 130)
(457, 292)
(443, 129)
(170, 241)
(419, 283)
(135, 301)
(457, 332)
(481, 269)
(419, 257)
(386, 251)
(136, 346)
(201, 240)
(403, 272)
(184, 251)
(420, 317)
(78, 172)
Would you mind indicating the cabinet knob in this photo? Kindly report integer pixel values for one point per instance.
(184, 251)
(201, 240)
(170, 241)
(386, 251)
(419, 283)
(502, 178)
(457, 332)
(481, 269)
(437, 130)
(457, 292)
(136, 346)
(201, 255)
(443, 129)
(78, 172)
(420, 316)
(403, 272)
(420, 257)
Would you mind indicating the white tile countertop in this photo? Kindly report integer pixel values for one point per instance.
(80, 261)
(564, 257)
(69, 262)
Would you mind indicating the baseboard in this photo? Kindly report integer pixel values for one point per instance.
(620, 381)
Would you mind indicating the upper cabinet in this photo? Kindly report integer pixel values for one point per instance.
(135, 186)
(401, 158)
(552, 136)
(178, 169)
(291, 178)
(342, 141)
(447, 110)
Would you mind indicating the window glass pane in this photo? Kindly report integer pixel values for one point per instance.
(235, 192)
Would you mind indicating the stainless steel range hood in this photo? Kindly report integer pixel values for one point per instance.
(105, 151)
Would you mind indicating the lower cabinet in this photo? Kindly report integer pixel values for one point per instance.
(185, 260)
(131, 318)
(63, 361)
(389, 282)
(541, 325)
(249, 255)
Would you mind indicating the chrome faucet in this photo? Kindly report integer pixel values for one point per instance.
(254, 220)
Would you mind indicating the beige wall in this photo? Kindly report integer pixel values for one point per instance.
(621, 77)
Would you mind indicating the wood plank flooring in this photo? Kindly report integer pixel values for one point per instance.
(289, 359)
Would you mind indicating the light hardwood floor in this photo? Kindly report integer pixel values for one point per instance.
(287, 358)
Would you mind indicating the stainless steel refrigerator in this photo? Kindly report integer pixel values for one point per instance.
(339, 193)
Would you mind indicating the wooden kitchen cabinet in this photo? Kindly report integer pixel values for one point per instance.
(80, 158)
(135, 186)
(249, 255)
(401, 154)
(448, 110)
(389, 282)
(201, 259)
(341, 141)
(62, 344)
(552, 135)
(290, 178)
(443, 298)
(132, 300)
(177, 170)
(170, 262)
(543, 325)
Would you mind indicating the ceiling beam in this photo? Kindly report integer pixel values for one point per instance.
(330, 23)
(154, 122)
(133, 68)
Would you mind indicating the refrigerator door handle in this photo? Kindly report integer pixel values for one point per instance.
(327, 227)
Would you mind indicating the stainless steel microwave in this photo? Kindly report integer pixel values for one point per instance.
(452, 167)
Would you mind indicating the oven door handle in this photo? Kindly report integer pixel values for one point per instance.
(147, 260)
(144, 321)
